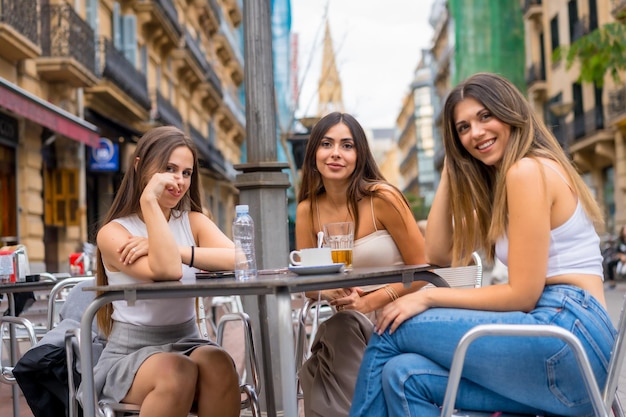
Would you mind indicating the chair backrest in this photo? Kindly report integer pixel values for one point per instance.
(60, 294)
(615, 364)
(603, 399)
(249, 391)
(470, 276)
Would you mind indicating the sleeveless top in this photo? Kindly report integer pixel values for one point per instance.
(574, 245)
(163, 311)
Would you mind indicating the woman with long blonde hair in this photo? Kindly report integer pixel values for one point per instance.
(507, 188)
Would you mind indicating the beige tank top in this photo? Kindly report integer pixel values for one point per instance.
(376, 249)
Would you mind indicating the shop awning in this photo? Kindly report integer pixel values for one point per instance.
(39, 111)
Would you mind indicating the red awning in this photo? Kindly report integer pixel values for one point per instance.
(31, 107)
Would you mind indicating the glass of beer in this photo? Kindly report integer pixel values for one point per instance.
(339, 237)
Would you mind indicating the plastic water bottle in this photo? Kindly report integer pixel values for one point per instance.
(243, 235)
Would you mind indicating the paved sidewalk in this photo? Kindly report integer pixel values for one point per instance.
(614, 299)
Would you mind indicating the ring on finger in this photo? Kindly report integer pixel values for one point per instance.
(133, 250)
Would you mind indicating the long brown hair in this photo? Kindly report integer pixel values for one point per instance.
(365, 179)
(151, 156)
(479, 203)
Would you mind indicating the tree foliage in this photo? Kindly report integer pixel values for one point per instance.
(600, 52)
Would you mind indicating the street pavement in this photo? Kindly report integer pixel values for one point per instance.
(614, 299)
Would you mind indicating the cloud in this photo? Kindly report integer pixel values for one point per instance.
(377, 45)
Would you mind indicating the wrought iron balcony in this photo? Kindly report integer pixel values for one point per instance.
(115, 67)
(162, 14)
(170, 11)
(563, 133)
(167, 113)
(68, 47)
(535, 73)
(581, 28)
(235, 107)
(617, 106)
(409, 159)
(19, 29)
(210, 157)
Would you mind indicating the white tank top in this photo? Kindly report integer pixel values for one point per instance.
(163, 311)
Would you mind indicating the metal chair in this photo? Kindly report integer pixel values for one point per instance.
(249, 401)
(604, 399)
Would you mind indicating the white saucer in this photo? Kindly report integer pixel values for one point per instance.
(317, 269)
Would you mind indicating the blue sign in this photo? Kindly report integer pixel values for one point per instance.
(106, 157)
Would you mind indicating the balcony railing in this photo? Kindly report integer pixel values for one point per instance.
(235, 107)
(115, 67)
(535, 73)
(21, 15)
(581, 28)
(65, 34)
(167, 112)
(170, 11)
(232, 39)
(617, 103)
(213, 157)
(563, 133)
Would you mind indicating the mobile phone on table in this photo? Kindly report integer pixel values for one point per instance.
(215, 274)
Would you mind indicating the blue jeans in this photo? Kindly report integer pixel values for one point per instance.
(406, 373)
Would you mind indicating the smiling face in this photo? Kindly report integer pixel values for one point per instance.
(336, 154)
(483, 135)
(180, 166)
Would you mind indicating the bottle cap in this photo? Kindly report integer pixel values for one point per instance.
(242, 208)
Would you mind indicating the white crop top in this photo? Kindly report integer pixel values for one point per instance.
(574, 246)
(163, 311)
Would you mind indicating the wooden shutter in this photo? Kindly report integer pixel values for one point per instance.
(61, 197)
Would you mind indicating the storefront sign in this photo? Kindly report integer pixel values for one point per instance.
(105, 157)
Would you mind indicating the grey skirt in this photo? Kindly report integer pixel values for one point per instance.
(130, 345)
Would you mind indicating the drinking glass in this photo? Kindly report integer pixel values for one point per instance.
(339, 237)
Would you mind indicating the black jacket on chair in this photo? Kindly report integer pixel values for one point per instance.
(41, 372)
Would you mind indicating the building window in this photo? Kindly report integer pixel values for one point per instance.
(573, 19)
(61, 197)
(554, 32)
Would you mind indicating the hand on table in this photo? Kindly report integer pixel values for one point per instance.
(133, 249)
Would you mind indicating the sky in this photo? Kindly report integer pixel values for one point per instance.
(377, 46)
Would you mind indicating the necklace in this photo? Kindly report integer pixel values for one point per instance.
(336, 209)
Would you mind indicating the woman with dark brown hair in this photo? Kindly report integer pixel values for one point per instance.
(155, 231)
(341, 182)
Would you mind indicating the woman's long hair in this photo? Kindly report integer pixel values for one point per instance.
(365, 179)
(478, 191)
(151, 156)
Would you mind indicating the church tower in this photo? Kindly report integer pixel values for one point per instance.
(329, 85)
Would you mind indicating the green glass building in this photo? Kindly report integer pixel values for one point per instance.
(489, 36)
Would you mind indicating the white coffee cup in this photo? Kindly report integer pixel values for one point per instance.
(311, 257)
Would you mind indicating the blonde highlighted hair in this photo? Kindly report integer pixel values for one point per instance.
(479, 203)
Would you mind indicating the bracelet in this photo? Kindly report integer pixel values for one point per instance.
(191, 259)
(391, 292)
